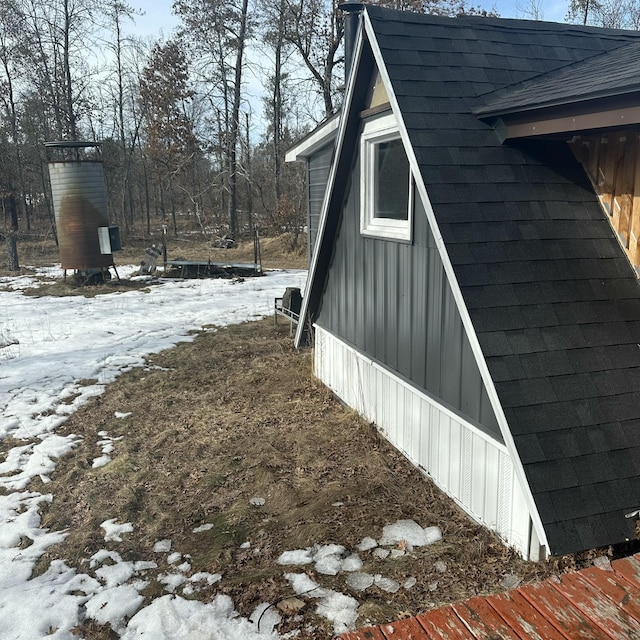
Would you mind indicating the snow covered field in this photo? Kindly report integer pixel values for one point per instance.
(56, 354)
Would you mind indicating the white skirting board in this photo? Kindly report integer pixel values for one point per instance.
(468, 465)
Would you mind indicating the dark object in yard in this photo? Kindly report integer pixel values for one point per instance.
(148, 264)
(90, 277)
(288, 306)
(292, 300)
(181, 268)
(225, 242)
(195, 269)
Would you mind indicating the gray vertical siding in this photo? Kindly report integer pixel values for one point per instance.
(391, 300)
(317, 178)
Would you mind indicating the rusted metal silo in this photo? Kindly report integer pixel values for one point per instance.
(80, 205)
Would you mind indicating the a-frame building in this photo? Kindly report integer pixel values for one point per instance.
(467, 293)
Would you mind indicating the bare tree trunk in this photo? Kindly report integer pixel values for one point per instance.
(13, 263)
(67, 72)
(277, 104)
(235, 125)
(147, 197)
(247, 164)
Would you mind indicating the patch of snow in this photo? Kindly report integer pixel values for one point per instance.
(297, 556)
(328, 550)
(359, 581)
(602, 562)
(121, 414)
(410, 582)
(510, 581)
(203, 527)
(162, 546)
(100, 556)
(366, 544)
(203, 576)
(115, 574)
(265, 617)
(257, 502)
(174, 618)
(24, 463)
(329, 565)
(101, 461)
(380, 553)
(352, 563)
(302, 584)
(33, 606)
(171, 581)
(174, 557)
(409, 531)
(386, 584)
(114, 531)
(340, 609)
(113, 604)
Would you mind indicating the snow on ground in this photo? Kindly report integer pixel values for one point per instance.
(55, 355)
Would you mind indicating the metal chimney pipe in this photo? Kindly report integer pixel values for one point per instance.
(351, 10)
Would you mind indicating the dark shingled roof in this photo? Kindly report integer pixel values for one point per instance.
(551, 295)
(609, 74)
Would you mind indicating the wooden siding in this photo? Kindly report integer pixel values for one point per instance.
(318, 167)
(391, 299)
(471, 467)
(592, 604)
(611, 162)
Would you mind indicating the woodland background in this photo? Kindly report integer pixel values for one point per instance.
(180, 142)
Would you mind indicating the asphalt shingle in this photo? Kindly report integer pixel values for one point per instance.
(550, 293)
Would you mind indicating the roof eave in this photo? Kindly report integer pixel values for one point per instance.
(570, 119)
(319, 137)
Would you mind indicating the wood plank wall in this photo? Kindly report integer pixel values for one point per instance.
(611, 160)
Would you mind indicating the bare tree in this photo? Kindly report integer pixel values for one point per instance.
(316, 29)
(218, 31)
(11, 59)
(168, 132)
(612, 14)
(532, 10)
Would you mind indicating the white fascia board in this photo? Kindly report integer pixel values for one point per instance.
(322, 135)
(342, 125)
(455, 287)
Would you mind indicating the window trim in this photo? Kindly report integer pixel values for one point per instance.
(377, 130)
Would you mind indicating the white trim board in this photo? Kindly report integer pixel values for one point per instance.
(318, 138)
(467, 464)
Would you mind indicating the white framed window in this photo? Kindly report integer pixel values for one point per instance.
(386, 184)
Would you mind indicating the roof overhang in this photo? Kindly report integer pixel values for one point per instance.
(568, 119)
(316, 139)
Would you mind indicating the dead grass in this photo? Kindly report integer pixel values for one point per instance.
(237, 414)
